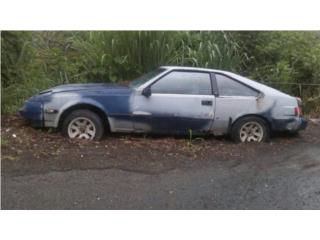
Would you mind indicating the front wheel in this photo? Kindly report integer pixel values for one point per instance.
(250, 129)
(83, 124)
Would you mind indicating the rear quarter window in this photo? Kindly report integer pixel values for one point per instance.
(230, 87)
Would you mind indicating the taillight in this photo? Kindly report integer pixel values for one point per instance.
(298, 110)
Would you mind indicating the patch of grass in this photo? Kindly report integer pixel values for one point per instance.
(51, 130)
(189, 142)
(4, 142)
(11, 158)
(312, 107)
(191, 139)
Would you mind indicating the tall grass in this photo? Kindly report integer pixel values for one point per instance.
(122, 55)
(32, 61)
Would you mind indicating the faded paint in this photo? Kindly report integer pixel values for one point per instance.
(130, 111)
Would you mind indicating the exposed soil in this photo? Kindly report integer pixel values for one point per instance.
(27, 151)
(43, 170)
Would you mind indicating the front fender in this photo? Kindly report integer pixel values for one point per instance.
(52, 119)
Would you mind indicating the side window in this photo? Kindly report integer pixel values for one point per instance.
(177, 82)
(229, 87)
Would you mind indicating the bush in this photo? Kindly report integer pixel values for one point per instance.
(285, 57)
(33, 61)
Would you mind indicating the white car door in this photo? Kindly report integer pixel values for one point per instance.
(180, 101)
(234, 100)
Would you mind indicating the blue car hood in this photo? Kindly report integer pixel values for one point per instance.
(86, 87)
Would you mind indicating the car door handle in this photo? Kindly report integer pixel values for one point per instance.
(206, 102)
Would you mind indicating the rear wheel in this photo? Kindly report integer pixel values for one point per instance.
(83, 124)
(250, 129)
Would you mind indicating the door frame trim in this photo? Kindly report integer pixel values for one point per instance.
(211, 75)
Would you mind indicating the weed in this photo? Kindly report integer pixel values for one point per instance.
(4, 142)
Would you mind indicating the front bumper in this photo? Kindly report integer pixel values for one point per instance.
(290, 125)
(33, 112)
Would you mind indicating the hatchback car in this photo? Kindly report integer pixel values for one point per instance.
(170, 100)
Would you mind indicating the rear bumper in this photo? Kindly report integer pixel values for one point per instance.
(304, 124)
(32, 112)
(290, 125)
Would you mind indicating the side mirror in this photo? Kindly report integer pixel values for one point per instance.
(146, 92)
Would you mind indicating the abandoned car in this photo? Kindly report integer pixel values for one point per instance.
(170, 100)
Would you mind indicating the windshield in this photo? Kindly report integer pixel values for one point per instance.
(145, 78)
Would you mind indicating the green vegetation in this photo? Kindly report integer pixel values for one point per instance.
(4, 142)
(285, 57)
(192, 139)
(33, 61)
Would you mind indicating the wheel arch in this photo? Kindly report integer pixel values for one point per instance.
(268, 122)
(87, 106)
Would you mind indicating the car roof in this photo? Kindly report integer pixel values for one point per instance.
(196, 69)
(188, 68)
(259, 86)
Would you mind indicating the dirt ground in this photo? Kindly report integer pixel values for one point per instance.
(30, 152)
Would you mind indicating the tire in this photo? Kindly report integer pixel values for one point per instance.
(83, 124)
(250, 129)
